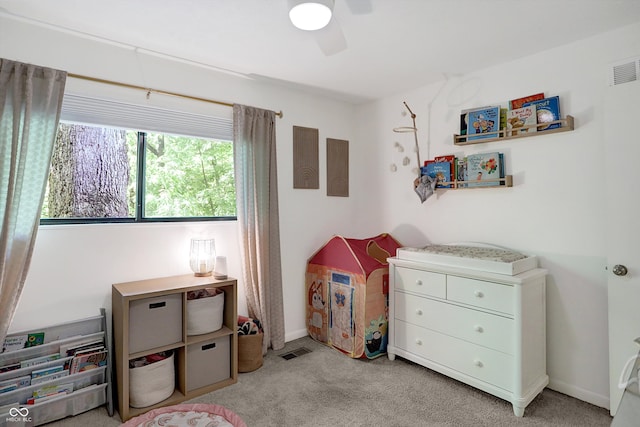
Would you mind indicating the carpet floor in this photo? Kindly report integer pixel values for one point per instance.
(326, 388)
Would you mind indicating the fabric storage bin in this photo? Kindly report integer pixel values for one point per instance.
(204, 311)
(152, 383)
(249, 352)
(155, 322)
(208, 362)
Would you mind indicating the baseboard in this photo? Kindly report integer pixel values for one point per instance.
(579, 393)
(290, 336)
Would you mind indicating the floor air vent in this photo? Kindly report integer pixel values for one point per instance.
(295, 353)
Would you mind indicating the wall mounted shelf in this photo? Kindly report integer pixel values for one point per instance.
(566, 124)
(507, 181)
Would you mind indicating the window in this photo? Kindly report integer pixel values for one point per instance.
(106, 173)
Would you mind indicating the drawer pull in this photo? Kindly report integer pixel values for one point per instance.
(418, 341)
(419, 312)
(478, 363)
(478, 294)
(157, 304)
(478, 328)
(419, 282)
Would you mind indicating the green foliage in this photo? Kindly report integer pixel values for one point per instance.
(188, 177)
(184, 177)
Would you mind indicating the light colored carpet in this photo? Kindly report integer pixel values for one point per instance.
(326, 388)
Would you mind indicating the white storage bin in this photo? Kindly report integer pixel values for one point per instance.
(151, 383)
(205, 315)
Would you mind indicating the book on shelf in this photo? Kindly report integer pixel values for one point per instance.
(82, 343)
(547, 110)
(484, 123)
(520, 102)
(50, 377)
(39, 360)
(452, 164)
(461, 168)
(440, 171)
(84, 362)
(484, 167)
(22, 381)
(46, 371)
(464, 118)
(18, 342)
(519, 118)
(11, 367)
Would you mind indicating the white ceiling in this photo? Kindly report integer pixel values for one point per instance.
(399, 45)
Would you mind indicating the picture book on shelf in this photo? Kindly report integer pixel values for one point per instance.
(484, 123)
(547, 110)
(452, 164)
(484, 167)
(520, 102)
(519, 119)
(85, 362)
(441, 171)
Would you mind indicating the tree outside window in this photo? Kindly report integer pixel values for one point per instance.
(106, 174)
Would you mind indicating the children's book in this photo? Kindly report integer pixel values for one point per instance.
(88, 361)
(484, 167)
(452, 164)
(547, 110)
(520, 102)
(440, 171)
(521, 120)
(484, 123)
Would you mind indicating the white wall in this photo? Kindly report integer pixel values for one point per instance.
(74, 266)
(555, 209)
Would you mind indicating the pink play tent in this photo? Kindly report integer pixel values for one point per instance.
(347, 283)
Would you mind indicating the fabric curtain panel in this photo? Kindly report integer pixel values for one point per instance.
(30, 100)
(257, 205)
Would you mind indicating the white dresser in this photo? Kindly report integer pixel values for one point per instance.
(485, 329)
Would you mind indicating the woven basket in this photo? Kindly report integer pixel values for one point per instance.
(205, 315)
(249, 352)
(151, 383)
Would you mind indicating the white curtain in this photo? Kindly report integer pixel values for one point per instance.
(257, 205)
(30, 100)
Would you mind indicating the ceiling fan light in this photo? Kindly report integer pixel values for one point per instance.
(311, 15)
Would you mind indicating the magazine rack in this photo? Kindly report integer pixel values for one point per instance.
(91, 388)
(566, 124)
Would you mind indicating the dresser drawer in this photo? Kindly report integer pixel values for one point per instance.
(422, 282)
(492, 296)
(480, 328)
(478, 362)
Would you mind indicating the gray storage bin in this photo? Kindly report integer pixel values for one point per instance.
(208, 362)
(155, 322)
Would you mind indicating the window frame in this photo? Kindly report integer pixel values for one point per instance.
(139, 216)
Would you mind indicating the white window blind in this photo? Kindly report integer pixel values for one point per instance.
(95, 111)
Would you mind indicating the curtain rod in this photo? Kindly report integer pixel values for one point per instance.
(148, 90)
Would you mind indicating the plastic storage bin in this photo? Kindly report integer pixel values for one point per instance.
(152, 383)
(208, 362)
(205, 314)
(155, 322)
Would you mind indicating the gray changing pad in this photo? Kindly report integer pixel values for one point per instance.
(483, 257)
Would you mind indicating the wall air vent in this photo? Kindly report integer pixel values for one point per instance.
(624, 71)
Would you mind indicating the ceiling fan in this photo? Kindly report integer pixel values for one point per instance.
(317, 16)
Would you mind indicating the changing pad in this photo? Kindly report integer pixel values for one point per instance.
(476, 257)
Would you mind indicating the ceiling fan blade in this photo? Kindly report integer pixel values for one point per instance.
(331, 38)
(359, 7)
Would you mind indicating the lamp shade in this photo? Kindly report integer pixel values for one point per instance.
(310, 15)
(202, 256)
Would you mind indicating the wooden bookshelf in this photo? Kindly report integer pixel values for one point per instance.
(566, 125)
